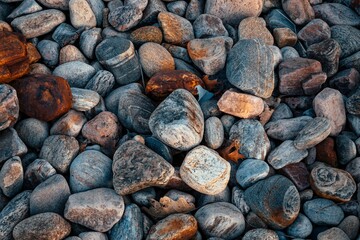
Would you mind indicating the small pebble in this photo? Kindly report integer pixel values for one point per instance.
(65, 34)
(323, 212)
(102, 82)
(214, 133)
(300, 228)
(69, 124)
(37, 172)
(250, 171)
(89, 39)
(207, 25)
(14, 145)
(286, 153)
(346, 149)
(255, 28)
(72, 54)
(12, 177)
(237, 198)
(76, 73)
(177, 7)
(33, 132)
(83, 99)
(300, 12)
(81, 14)
(124, 18)
(9, 106)
(260, 233)
(333, 233)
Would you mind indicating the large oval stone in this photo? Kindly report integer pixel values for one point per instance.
(178, 121)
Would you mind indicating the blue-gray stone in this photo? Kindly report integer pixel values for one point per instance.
(33, 132)
(353, 61)
(337, 14)
(141, 4)
(333, 233)
(76, 73)
(195, 9)
(177, 7)
(159, 147)
(350, 225)
(286, 129)
(178, 52)
(93, 236)
(12, 177)
(278, 19)
(214, 132)
(5, 10)
(301, 228)
(102, 82)
(353, 167)
(26, 7)
(89, 39)
(210, 108)
(143, 196)
(152, 10)
(345, 149)
(238, 199)
(97, 8)
(13, 143)
(206, 26)
(250, 171)
(224, 196)
(49, 51)
(282, 111)
(323, 212)
(354, 123)
(289, 52)
(261, 233)
(348, 37)
(286, 153)
(112, 5)
(37, 172)
(65, 34)
(182, 65)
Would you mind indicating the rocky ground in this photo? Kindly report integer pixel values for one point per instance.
(150, 119)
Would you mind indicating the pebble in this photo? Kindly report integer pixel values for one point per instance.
(146, 34)
(286, 153)
(350, 225)
(26, 7)
(42, 226)
(240, 105)
(284, 37)
(333, 233)
(197, 165)
(300, 12)
(33, 132)
(238, 199)
(159, 147)
(175, 226)
(332, 183)
(102, 82)
(351, 103)
(81, 14)
(59, 151)
(277, 18)
(352, 61)
(90, 169)
(206, 26)
(39, 68)
(298, 174)
(13, 143)
(348, 38)
(213, 133)
(177, 7)
(345, 81)
(130, 227)
(83, 99)
(209, 54)
(89, 39)
(245, 53)
(9, 106)
(76, 73)
(353, 168)
(72, 54)
(255, 28)
(204, 199)
(336, 14)
(252, 137)
(4, 26)
(254, 221)
(98, 209)
(282, 111)
(151, 12)
(117, 55)
(194, 9)
(233, 12)
(260, 233)
(210, 109)
(144, 196)
(326, 152)
(33, 25)
(57, 4)
(141, 4)
(37, 172)
(124, 18)
(250, 171)
(98, 7)
(65, 34)
(275, 200)
(314, 32)
(171, 122)
(93, 236)
(286, 129)
(220, 219)
(49, 51)
(314, 132)
(178, 52)
(136, 167)
(155, 58)
(346, 149)
(300, 228)
(69, 124)
(12, 177)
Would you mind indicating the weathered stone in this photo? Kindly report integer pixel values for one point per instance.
(206, 26)
(125, 17)
(37, 172)
(159, 147)
(172, 124)
(76, 73)
(175, 226)
(214, 133)
(146, 34)
(81, 14)
(39, 68)
(348, 38)
(58, 4)
(98, 209)
(141, 4)
(286, 129)
(72, 54)
(277, 18)
(232, 12)
(345, 81)
(299, 11)
(353, 168)
(336, 14)
(204, 199)
(49, 51)
(83, 99)
(323, 212)
(33, 132)
(333, 233)
(325, 152)
(298, 174)
(352, 103)
(350, 225)
(286, 154)
(143, 197)
(211, 109)
(152, 10)
(89, 39)
(14, 145)
(177, 7)
(11, 177)
(33, 25)
(346, 149)
(26, 7)
(314, 32)
(257, 80)
(194, 9)
(282, 111)
(301, 228)
(151, 169)
(284, 37)
(9, 106)
(275, 200)
(102, 82)
(255, 28)
(260, 233)
(237, 198)
(65, 34)
(69, 124)
(352, 61)
(93, 236)
(250, 171)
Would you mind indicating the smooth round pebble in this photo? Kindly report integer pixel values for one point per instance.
(323, 212)
(301, 228)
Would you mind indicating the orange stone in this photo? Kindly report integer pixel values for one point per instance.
(326, 152)
(44, 97)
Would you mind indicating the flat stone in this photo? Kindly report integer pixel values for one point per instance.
(33, 132)
(284, 37)
(345, 148)
(286, 129)
(336, 14)
(253, 140)
(286, 153)
(335, 233)
(244, 54)
(345, 81)
(207, 25)
(237, 198)
(214, 133)
(170, 122)
(9, 106)
(332, 183)
(83, 99)
(250, 171)
(298, 174)
(26, 7)
(260, 233)
(326, 152)
(69, 124)
(125, 17)
(314, 32)
(300, 12)
(197, 165)
(14, 145)
(76, 73)
(37, 172)
(33, 25)
(98, 209)
(222, 220)
(146, 34)
(59, 151)
(275, 200)
(151, 169)
(81, 14)
(233, 12)
(175, 226)
(255, 28)
(12, 177)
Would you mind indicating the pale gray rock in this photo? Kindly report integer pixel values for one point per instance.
(286, 129)
(83, 99)
(141, 4)
(81, 14)
(26, 7)
(89, 39)
(76, 73)
(250, 171)
(33, 132)
(238, 199)
(11, 177)
(13, 143)
(102, 82)
(214, 132)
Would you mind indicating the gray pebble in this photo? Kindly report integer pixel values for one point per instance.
(143, 196)
(350, 208)
(125, 17)
(159, 147)
(83, 99)
(12, 177)
(214, 132)
(350, 225)
(182, 65)
(333, 233)
(277, 18)
(301, 228)
(286, 153)
(353, 167)
(345, 149)
(81, 14)
(238, 199)
(70, 53)
(282, 111)
(69, 124)
(177, 7)
(286, 129)
(141, 4)
(58, 4)
(289, 52)
(26, 7)
(89, 39)
(152, 10)
(97, 7)
(224, 196)
(206, 26)
(112, 5)
(227, 122)
(348, 38)
(354, 123)
(336, 14)
(254, 221)
(11, 144)
(178, 52)
(194, 9)
(306, 195)
(102, 82)
(210, 108)
(323, 212)
(33, 132)
(65, 34)
(76, 73)
(37, 172)
(250, 171)
(260, 233)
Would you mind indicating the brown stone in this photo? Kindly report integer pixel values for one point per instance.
(326, 152)
(300, 11)
(298, 174)
(146, 34)
(255, 27)
(165, 82)
(345, 81)
(284, 37)
(69, 124)
(44, 97)
(174, 227)
(314, 32)
(241, 105)
(9, 106)
(313, 83)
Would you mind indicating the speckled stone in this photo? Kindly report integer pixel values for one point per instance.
(301, 228)
(299, 11)
(26, 7)
(81, 14)
(286, 129)
(124, 18)
(143, 196)
(348, 38)
(194, 9)
(350, 225)
(11, 177)
(93, 236)
(76, 73)
(346, 149)
(69, 124)
(49, 51)
(333, 233)
(207, 25)
(33, 132)
(286, 153)
(146, 34)
(65, 34)
(37, 172)
(284, 37)
(314, 32)
(260, 234)
(250, 171)
(70, 53)
(237, 198)
(177, 7)
(336, 14)
(14, 145)
(255, 28)
(83, 99)
(214, 133)
(353, 167)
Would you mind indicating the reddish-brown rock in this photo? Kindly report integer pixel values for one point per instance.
(146, 34)
(165, 82)
(326, 152)
(298, 174)
(284, 37)
(255, 27)
(44, 97)
(314, 32)
(300, 11)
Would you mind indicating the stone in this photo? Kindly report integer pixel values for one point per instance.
(89, 39)
(49, 51)
(196, 166)
(353, 168)
(151, 169)
(14, 212)
(251, 80)
(39, 68)
(14, 145)
(213, 133)
(284, 37)
(286, 129)
(9, 106)
(211, 109)
(130, 226)
(26, 7)
(194, 9)
(298, 174)
(65, 34)
(314, 32)
(177, 30)
(125, 17)
(33, 25)
(83, 99)
(301, 227)
(33, 132)
(143, 197)
(289, 52)
(255, 28)
(275, 200)
(326, 152)
(72, 54)
(351, 103)
(165, 82)
(352, 61)
(76, 73)
(204, 199)
(345, 81)
(240, 105)
(332, 183)
(102, 82)
(232, 12)
(285, 154)
(37, 172)
(81, 14)
(4, 26)
(282, 111)
(59, 151)
(253, 140)
(209, 54)
(300, 12)
(260, 233)
(12, 177)
(250, 171)
(89, 170)
(155, 58)
(186, 66)
(345, 148)
(277, 18)
(335, 233)
(93, 236)
(336, 14)
(175, 226)
(98, 209)
(171, 122)
(136, 3)
(159, 147)
(177, 7)
(347, 37)
(69, 124)
(42, 226)
(206, 26)
(178, 52)
(151, 12)
(62, 4)
(237, 198)
(220, 219)
(146, 34)
(117, 55)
